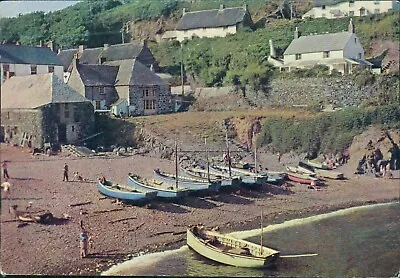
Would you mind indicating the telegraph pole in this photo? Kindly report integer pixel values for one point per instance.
(183, 89)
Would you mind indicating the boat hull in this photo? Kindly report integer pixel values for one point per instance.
(202, 174)
(329, 174)
(167, 192)
(108, 190)
(302, 178)
(186, 182)
(211, 252)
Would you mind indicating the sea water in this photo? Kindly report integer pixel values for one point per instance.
(361, 241)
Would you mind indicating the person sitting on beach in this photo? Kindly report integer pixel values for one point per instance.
(103, 180)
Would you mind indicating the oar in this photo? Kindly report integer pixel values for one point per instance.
(298, 256)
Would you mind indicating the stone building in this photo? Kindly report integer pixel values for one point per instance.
(212, 23)
(46, 110)
(99, 55)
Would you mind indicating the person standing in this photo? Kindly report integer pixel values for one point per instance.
(6, 187)
(5, 170)
(65, 177)
(83, 240)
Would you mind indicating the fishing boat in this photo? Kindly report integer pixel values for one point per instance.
(202, 174)
(123, 192)
(163, 190)
(335, 175)
(187, 182)
(229, 250)
(302, 178)
(300, 170)
(318, 165)
(247, 177)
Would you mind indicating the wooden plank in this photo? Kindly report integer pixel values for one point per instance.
(80, 204)
(136, 228)
(121, 219)
(108, 210)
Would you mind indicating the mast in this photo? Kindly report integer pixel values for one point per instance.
(261, 240)
(182, 83)
(228, 153)
(208, 162)
(255, 153)
(176, 165)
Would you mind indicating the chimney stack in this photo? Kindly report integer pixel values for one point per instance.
(221, 7)
(106, 45)
(272, 51)
(245, 7)
(351, 26)
(144, 42)
(183, 11)
(81, 48)
(76, 60)
(296, 33)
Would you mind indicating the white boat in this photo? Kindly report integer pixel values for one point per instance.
(229, 250)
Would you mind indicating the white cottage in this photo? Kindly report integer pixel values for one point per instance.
(22, 60)
(340, 51)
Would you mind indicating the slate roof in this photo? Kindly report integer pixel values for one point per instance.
(211, 18)
(23, 54)
(37, 90)
(98, 75)
(133, 72)
(112, 53)
(318, 43)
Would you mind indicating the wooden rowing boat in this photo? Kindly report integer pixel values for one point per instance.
(302, 178)
(187, 182)
(163, 190)
(229, 250)
(329, 174)
(318, 165)
(202, 174)
(122, 192)
(246, 176)
(300, 170)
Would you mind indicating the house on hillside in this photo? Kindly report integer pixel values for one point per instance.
(212, 23)
(126, 87)
(21, 60)
(339, 51)
(337, 9)
(99, 55)
(46, 111)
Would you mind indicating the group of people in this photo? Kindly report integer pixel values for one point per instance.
(374, 164)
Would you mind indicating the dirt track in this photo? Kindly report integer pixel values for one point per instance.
(53, 249)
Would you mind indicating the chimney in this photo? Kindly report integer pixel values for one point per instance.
(351, 26)
(81, 48)
(76, 60)
(296, 33)
(152, 68)
(41, 43)
(106, 45)
(50, 45)
(183, 11)
(221, 7)
(144, 42)
(272, 51)
(102, 60)
(245, 7)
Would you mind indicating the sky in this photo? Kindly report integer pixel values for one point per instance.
(13, 8)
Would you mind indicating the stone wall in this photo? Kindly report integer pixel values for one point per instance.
(163, 99)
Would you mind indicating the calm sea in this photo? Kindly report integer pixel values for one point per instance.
(356, 242)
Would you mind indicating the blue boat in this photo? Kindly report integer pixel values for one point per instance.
(163, 190)
(122, 192)
(202, 174)
(187, 182)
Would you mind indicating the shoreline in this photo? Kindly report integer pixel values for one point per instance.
(123, 232)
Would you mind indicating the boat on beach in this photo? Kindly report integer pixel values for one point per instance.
(247, 177)
(162, 189)
(187, 182)
(330, 174)
(202, 174)
(229, 250)
(300, 170)
(317, 165)
(123, 192)
(302, 178)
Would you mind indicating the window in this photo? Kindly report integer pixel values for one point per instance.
(101, 90)
(298, 56)
(50, 69)
(362, 12)
(376, 2)
(97, 104)
(149, 104)
(323, 7)
(351, 13)
(326, 54)
(66, 111)
(351, 3)
(377, 11)
(73, 128)
(146, 93)
(33, 69)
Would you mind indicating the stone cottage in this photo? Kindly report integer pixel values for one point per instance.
(46, 110)
(99, 55)
(212, 23)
